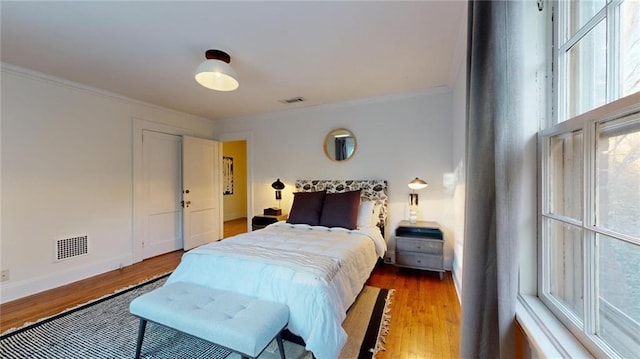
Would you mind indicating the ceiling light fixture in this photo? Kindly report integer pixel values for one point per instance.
(215, 73)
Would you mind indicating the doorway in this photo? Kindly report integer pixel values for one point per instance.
(235, 188)
(158, 165)
(162, 141)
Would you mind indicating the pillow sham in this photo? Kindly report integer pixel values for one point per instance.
(376, 213)
(341, 210)
(365, 214)
(306, 208)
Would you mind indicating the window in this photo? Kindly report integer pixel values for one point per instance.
(598, 54)
(590, 177)
(590, 226)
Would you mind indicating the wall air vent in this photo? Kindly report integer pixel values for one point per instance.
(71, 247)
(292, 100)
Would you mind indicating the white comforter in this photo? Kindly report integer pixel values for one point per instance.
(317, 302)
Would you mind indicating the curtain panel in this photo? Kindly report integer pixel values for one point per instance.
(495, 147)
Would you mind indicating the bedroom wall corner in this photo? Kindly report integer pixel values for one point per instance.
(458, 84)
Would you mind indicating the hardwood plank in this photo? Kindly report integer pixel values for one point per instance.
(425, 315)
(234, 227)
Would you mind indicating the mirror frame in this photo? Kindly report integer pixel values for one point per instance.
(330, 135)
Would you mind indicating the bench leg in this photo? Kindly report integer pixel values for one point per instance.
(141, 329)
(280, 346)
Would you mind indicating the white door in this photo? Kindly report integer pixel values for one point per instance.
(162, 162)
(202, 191)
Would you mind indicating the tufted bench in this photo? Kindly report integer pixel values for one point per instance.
(237, 322)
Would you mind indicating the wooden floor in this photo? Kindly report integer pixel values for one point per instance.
(425, 314)
(235, 226)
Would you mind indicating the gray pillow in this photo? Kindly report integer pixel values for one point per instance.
(341, 210)
(306, 208)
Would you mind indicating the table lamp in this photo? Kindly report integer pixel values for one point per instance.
(276, 211)
(416, 184)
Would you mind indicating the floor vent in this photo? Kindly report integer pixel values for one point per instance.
(71, 247)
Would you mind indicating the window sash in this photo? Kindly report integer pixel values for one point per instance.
(585, 327)
(565, 41)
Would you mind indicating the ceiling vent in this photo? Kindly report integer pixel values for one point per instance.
(292, 100)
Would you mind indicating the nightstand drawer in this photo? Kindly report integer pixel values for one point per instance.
(419, 260)
(419, 245)
(420, 232)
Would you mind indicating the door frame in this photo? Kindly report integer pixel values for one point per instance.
(138, 126)
(246, 136)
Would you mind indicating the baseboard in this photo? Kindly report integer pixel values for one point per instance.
(457, 283)
(20, 289)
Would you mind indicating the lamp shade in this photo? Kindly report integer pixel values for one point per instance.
(277, 185)
(215, 73)
(417, 184)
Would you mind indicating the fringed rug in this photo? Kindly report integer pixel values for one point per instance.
(104, 329)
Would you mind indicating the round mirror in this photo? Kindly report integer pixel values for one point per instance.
(340, 144)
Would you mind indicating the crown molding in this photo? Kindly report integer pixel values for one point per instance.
(57, 81)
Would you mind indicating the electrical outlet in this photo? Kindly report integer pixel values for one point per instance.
(4, 275)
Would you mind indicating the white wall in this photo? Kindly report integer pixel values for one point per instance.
(398, 137)
(459, 114)
(66, 172)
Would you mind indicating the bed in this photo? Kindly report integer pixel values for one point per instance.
(316, 262)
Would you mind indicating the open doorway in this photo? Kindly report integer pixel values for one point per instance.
(234, 186)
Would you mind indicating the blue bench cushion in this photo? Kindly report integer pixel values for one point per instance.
(238, 322)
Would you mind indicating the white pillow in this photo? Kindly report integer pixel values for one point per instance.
(366, 213)
(376, 213)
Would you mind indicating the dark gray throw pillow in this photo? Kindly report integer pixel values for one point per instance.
(341, 210)
(306, 208)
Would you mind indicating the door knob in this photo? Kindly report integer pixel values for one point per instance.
(187, 203)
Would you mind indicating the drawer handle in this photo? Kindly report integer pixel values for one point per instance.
(419, 247)
(419, 261)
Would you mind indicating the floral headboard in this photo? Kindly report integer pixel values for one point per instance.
(372, 190)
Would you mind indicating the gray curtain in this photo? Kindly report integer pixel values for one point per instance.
(341, 148)
(495, 143)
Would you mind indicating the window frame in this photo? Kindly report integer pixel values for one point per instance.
(547, 334)
(585, 331)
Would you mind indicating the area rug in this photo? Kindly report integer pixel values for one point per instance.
(104, 329)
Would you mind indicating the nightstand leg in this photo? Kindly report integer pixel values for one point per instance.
(441, 275)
